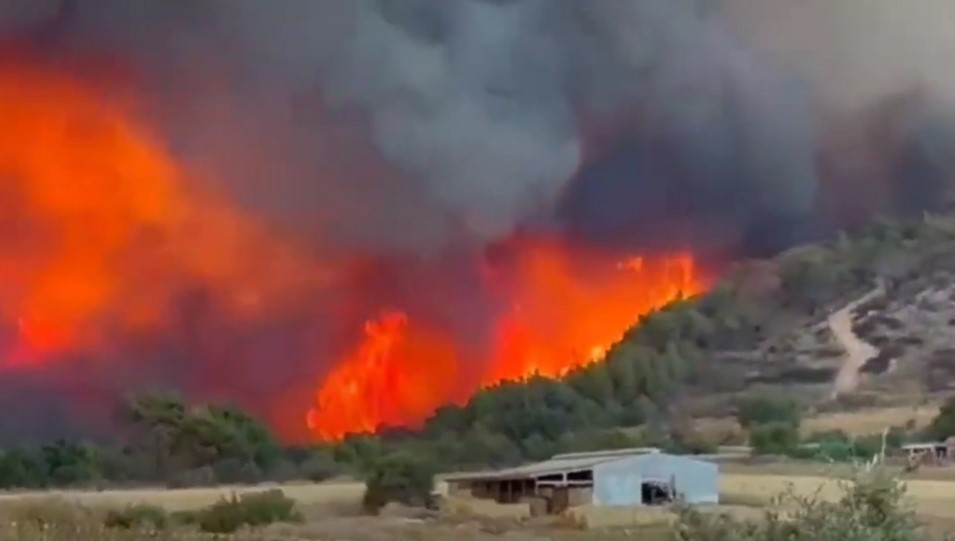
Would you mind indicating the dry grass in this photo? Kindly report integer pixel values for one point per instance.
(871, 421)
(930, 497)
(331, 511)
(308, 495)
(855, 423)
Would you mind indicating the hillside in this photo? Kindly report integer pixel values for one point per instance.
(859, 321)
(857, 324)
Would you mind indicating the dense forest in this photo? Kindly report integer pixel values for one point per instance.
(643, 393)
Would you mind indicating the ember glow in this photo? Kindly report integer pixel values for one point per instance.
(565, 309)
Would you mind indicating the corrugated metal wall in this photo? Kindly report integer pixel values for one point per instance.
(619, 482)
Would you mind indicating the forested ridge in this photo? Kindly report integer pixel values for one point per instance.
(644, 393)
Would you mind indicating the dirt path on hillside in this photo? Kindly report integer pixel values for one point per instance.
(857, 351)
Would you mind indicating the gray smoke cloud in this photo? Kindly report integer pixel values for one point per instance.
(473, 106)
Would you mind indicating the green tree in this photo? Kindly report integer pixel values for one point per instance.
(481, 447)
(399, 477)
(23, 468)
(70, 463)
(212, 436)
(154, 424)
(360, 451)
(943, 425)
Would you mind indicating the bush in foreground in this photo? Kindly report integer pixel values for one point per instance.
(223, 517)
(138, 517)
(871, 509)
(256, 509)
(398, 478)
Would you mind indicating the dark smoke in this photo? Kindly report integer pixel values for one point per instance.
(476, 103)
(401, 128)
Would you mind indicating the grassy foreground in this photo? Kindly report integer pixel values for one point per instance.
(875, 504)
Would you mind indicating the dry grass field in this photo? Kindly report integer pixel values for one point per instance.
(864, 422)
(871, 421)
(331, 509)
(931, 494)
(331, 495)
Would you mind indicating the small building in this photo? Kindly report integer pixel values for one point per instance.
(935, 453)
(630, 477)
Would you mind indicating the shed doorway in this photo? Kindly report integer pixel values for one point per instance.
(656, 493)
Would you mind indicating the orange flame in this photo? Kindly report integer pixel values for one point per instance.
(391, 377)
(100, 230)
(567, 309)
(98, 226)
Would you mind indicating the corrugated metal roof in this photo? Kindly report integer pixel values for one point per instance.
(547, 467)
(629, 451)
(559, 464)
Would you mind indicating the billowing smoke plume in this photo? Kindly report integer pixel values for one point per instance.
(478, 104)
(420, 131)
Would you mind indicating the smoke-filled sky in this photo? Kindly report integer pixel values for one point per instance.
(477, 110)
(423, 131)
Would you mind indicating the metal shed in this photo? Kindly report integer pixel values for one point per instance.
(655, 478)
(613, 478)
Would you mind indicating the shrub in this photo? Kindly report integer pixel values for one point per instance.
(138, 517)
(943, 425)
(831, 446)
(236, 472)
(398, 478)
(870, 509)
(199, 477)
(54, 512)
(51, 519)
(774, 439)
(320, 467)
(254, 509)
(767, 409)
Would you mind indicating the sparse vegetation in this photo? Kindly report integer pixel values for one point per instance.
(870, 508)
(226, 516)
(256, 509)
(138, 517)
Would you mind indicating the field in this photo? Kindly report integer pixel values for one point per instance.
(331, 509)
(863, 422)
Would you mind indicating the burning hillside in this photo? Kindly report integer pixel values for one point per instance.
(344, 214)
(561, 310)
(104, 233)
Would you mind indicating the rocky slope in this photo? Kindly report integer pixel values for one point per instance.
(867, 318)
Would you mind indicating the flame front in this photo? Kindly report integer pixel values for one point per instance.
(566, 310)
(101, 232)
(388, 380)
(99, 228)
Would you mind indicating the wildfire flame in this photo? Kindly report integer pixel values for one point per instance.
(101, 230)
(566, 312)
(390, 379)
